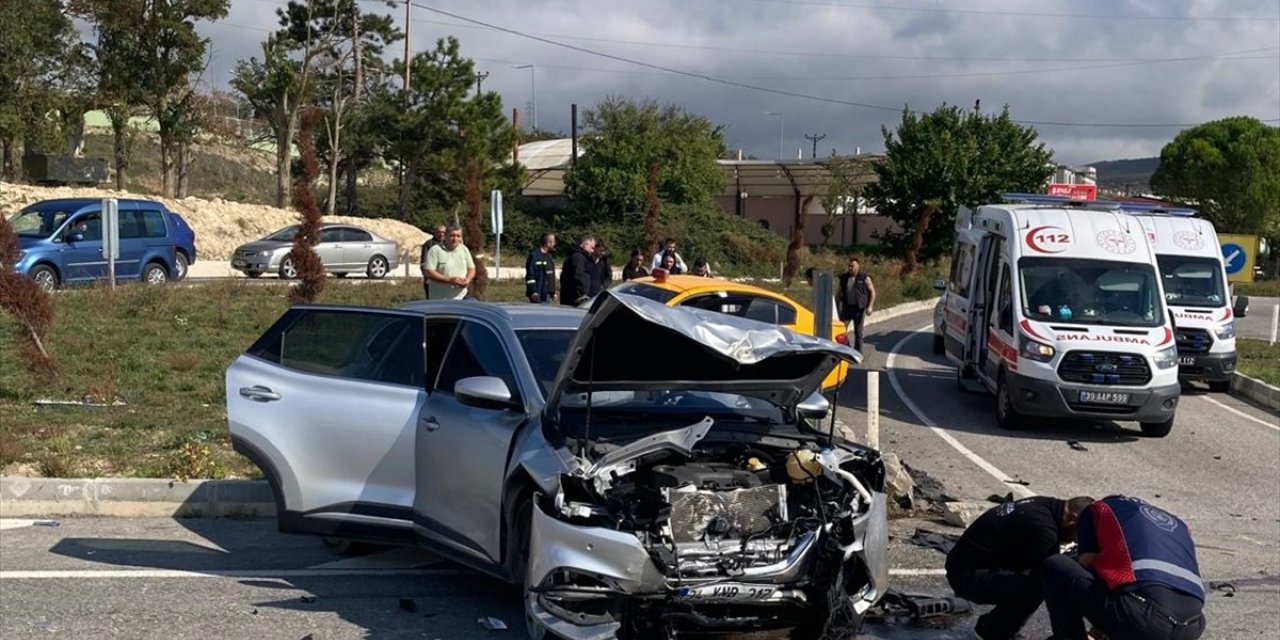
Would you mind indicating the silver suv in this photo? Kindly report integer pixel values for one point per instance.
(641, 469)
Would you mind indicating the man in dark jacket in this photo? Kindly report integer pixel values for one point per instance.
(598, 269)
(1136, 577)
(575, 278)
(997, 560)
(540, 271)
(855, 299)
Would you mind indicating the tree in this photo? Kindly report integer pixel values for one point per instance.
(623, 139)
(1230, 170)
(936, 162)
(848, 179)
(34, 39)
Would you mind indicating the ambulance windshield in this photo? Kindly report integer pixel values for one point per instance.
(1192, 282)
(1098, 292)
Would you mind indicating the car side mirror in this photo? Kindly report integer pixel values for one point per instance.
(940, 284)
(484, 392)
(74, 236)
(1241, 308)
(815, 407)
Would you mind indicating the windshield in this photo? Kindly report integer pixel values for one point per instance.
(545, 350)
(622, 413)
(1097, 292)
(1192, 282)
(284, 235)
(38, 223)
(643, 290)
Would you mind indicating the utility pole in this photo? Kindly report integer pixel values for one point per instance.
(408, 38)
(814, 138)
(533, 80)
(480, 77)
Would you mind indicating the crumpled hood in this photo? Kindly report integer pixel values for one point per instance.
(628, 342)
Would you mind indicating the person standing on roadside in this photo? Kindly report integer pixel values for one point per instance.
(449, 267)
(540, 271)
(668, 248)
(635, 267)
(575, 278)
(436, 238)
(856, 298)
(598, 269)
(1136, 576)
(997, 560)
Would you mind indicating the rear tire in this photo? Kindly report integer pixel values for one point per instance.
(1156, 429)
(378, 268)
(1220, 386)
(180, 265)
(155, 273)
(939, 345)
(46, 277)
(1007, 417)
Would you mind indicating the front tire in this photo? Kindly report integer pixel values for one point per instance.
(287, 270)
(1007, 417)
(46, 277)
(155, 273)
(378, 268)
(1156, 429)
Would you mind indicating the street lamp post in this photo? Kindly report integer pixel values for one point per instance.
(533, 82)
(781, 127)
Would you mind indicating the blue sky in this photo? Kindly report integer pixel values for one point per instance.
(1086, 62)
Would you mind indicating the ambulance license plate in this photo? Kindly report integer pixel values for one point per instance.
(1189, 361)
(1104, 397)
(729, 591)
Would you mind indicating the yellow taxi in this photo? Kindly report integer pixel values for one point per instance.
(737, 299)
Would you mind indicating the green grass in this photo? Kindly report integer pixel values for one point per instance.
(163, 351)
(1262, 289)
(1259, 360)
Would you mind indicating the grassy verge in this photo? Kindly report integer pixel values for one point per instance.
(1262, 289)
(1259, 360)
(163, 352)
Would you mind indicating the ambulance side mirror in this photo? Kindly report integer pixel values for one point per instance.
(1241, 307)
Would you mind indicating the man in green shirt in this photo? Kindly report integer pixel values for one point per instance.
(449, 267)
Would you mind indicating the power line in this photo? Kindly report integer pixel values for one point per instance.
(762, 89)
(1023, 14)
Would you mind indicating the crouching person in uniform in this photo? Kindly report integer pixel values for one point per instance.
(1136, 577)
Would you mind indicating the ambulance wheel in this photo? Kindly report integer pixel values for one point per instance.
(1156, 429)
(1007, 417)
(1220, 386)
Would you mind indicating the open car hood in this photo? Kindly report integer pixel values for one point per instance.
(629, 343)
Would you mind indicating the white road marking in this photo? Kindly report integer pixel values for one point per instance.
(13, 523)
(283, 574)
(1241, 413)
(1018, 490)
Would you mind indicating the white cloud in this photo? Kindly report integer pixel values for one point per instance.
(847, 42)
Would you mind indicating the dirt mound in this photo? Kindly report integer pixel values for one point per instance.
(220, 225)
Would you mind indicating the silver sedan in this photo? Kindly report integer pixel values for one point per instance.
(343, 249)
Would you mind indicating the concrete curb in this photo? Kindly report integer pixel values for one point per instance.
(162, 498)
(1265, 395)
(134, 498)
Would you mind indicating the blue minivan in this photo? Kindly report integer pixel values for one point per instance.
(60, 242)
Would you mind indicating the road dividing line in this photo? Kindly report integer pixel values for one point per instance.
(283, 574)
(1241, 413)
(1018, 490)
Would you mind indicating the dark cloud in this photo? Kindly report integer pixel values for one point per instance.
(1046, 68)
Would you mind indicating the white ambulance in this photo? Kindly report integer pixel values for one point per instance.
(1056, 307)
(1196, 291)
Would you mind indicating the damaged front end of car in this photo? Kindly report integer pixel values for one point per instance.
(745, 518)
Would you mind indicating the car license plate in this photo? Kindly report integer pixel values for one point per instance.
(238, 263)
(1104, 397)
(729, 591)
(1187, 360)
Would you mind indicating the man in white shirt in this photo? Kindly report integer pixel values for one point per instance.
(449, 267)
(667, 247)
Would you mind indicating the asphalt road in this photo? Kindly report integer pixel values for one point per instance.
(162, 578)
(1257, 324)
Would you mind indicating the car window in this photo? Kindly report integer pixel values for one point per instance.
(38, 223)
(1005, 303)
(748, 306)
(151, 223)
(545, 350)
(771, 311)
(89, 225)
(439, 334)
(476, 351)
(356, 235)
(331, 235)
(644, 290)
(962, 269)
(284, 235)
(375, 347)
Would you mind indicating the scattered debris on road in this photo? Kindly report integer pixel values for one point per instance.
(308, 599)
(45, 523)
(897, 608)
(962, 514)
(999, 499)
(943, 542)
(928, 492)
(493, 624)
(1075, 444)
(898, 482)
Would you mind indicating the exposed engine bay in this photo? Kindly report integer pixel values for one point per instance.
(742, 531)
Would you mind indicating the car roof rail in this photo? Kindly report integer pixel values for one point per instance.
(1137, 208)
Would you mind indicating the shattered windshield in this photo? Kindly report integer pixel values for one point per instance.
(38, 223)
(1082, 291)
(1192, 282)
